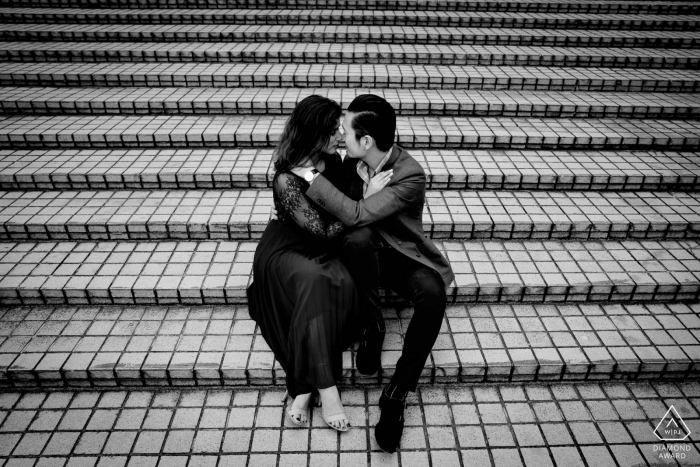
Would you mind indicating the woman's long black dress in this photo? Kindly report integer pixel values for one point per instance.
(302, 297)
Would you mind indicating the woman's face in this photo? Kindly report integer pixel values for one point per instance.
(334, 141)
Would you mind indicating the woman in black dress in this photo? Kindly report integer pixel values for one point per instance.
(302, 297)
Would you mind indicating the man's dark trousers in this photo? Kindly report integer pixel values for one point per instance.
(371, 262)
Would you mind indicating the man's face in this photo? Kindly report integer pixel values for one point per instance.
(354, 147)
(334, 140)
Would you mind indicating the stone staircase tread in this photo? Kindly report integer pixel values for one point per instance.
(218, 272)
(370, 76)
(281, 101)
(333, 17)
(172, 215)
(370, 53)
(252, 168)
(221, 345)
(383, 34)
(539, 6)
(415, 131)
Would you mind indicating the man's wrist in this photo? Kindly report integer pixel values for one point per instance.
(311, 175)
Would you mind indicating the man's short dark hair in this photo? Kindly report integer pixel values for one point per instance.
(375, 117)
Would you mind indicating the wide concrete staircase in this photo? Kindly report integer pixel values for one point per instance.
(561, 143)
(560, 139)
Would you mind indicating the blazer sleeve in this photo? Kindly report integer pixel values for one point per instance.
(296, 206)
(395, 197)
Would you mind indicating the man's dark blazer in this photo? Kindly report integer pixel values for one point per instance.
(395, 212)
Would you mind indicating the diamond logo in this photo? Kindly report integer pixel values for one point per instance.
(671, 427)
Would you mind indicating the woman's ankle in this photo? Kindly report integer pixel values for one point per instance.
(302, 398)
(330, 394)
(330, 391)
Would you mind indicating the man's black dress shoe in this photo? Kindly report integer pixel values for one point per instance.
(390, 426)
(369, 355)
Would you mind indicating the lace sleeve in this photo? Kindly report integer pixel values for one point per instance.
(298, 208)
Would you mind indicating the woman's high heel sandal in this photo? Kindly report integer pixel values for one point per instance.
(336, 418)
(297, 412)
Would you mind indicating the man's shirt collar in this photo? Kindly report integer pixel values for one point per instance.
(363, 169)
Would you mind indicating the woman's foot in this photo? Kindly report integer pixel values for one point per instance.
(299, 409)
(332, 409)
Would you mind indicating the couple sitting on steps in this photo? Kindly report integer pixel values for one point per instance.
(341, 227)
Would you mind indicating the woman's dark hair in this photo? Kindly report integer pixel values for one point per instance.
(307, 132)
(375, 117)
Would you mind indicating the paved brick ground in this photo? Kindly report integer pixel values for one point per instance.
(563, 425)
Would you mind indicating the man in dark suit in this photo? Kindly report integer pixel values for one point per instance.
(385, 206)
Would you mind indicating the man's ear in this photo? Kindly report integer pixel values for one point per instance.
(368, 142)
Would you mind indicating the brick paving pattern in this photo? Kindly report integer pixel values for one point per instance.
(210, 272)
(176, 346)
(101, 100)
(415, 131)
(213, 214)
(538, 6)
(390, 34)
(363, 75)
(560, 141)
(596, 424)
(252, 168)
(391, 17)
(292, 52)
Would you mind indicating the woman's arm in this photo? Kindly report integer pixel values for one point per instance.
(290, 192)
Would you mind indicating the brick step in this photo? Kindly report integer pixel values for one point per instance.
(457, 425)
(216, 273)
(420, 132)
(281, 101)
(291, 52)
(374, 77)
(392, 18)
(187, 346)
(136, 169)
(243, 215)
(668, 7)
(350, 34)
